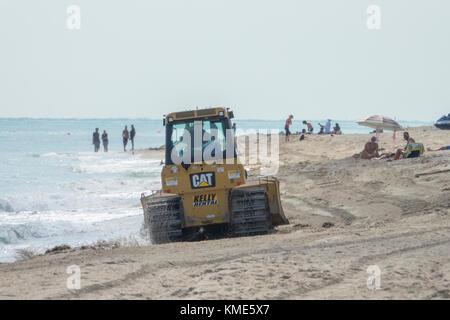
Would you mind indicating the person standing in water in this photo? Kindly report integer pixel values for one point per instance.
(105, 141)
(132, 135)
(125, 137)
(96, 140)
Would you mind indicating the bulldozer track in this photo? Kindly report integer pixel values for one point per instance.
(163, 219)
(250, 212)
(250, 215)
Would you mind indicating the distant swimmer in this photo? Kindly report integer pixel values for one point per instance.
(96, 140)
(286, 127)
(310, 127)
(105, 141)
(234, 128)
(132, 135)
(125, 137)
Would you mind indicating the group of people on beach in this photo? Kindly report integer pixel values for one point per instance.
(324, 129)
(371, 149)
(126, 135)
(412, 149)
(96, 140)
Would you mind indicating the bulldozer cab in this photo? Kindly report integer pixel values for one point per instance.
(201, 163)
(201, 136)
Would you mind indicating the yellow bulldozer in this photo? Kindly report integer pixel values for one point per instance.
(204, 189)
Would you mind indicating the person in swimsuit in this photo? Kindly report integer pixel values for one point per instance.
(105, 141)
(132, 135)
(337, 129)
(370, 150)
(125, 137)
(286, 127)
(310, 127)
(96, 140)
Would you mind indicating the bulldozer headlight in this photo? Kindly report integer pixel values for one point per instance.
(170, 119)
(221, 113)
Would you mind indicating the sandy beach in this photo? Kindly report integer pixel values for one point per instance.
(345, 215)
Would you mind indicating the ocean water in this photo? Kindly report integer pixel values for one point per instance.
(55, 190)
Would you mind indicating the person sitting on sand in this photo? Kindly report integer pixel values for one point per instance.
(440, 149)
(310, 127)
(337, 129)
(413, 150)
(302, 137)
(322, 127)
(409, 140)
(370, 150)
(286, 127)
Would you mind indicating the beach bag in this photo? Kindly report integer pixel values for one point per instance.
(414, 150)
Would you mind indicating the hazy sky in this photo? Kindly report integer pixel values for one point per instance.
(266, 59)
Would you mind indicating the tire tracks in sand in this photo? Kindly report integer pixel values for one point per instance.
(379, 248)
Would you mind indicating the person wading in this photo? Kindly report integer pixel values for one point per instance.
(125, 137)
(105, 141)
(96, 140)
(132, 135)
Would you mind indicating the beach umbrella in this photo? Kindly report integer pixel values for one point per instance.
(380, 122)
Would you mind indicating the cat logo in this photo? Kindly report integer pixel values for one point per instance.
(205, 200)
(203, 180)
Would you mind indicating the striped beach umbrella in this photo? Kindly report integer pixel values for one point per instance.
(380, 122)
